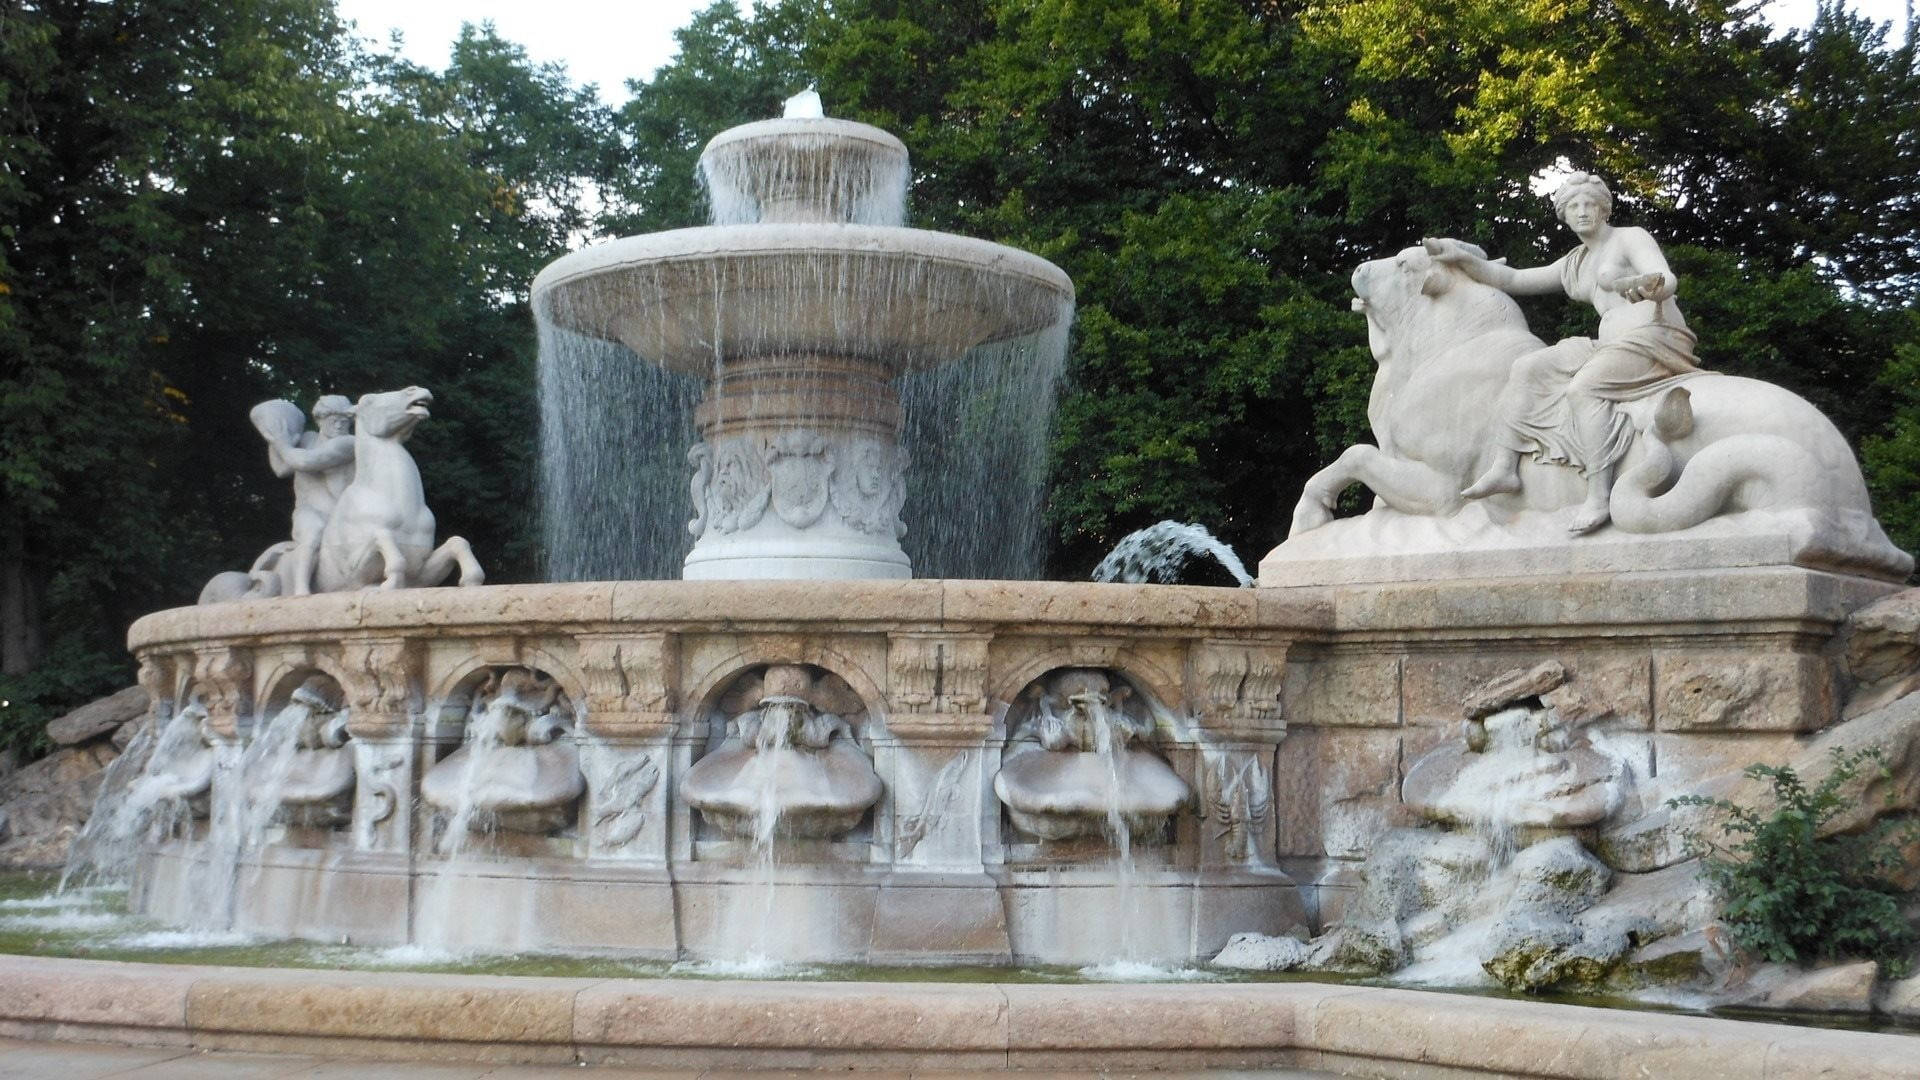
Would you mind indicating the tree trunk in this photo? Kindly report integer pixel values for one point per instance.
(21, 633)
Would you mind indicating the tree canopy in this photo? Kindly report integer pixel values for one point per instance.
(205, 203)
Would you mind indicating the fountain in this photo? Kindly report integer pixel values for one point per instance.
(1438, 742)
(800, 752)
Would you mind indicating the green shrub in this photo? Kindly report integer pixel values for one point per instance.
(1789, 894)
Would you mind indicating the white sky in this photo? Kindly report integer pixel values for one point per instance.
(607, 42)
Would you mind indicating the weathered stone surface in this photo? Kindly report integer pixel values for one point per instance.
(1839, 988)
(1742, 691)
(1882, 648)
(124, 734)
(1260, 952)
(98, 717)
(1900, 999)
(1570, 789)
(1334, 790)
(1343, 689)
(1599, 684)
(1512, 687)
(1674, 961)
(1558, 875)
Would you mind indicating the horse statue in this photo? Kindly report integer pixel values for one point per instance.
(1720, 453)
(380, 533)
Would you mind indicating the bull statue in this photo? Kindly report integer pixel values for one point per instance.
(1488, 437)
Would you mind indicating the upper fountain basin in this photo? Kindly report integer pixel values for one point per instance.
(908, 298)
(805, 169)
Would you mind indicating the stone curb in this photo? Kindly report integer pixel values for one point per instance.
(1362, 1031)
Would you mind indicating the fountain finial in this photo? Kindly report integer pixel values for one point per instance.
(804, 105)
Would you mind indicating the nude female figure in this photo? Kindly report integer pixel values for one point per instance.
(1559, 403)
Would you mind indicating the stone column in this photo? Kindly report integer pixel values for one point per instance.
(935, 759)
(1236, 687)
(626, 744)
(800, 473)
(383, 696)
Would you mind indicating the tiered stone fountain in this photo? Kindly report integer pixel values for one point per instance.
(868, 768)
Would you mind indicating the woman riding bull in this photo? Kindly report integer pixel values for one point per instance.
(1559, 403)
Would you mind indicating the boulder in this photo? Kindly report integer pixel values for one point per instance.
(1901, 999)
(1259, 952)
(1881, 643)
(97, 718)
(1559, 876)
(1846, 988)
(1511, 688)
(1676, 960)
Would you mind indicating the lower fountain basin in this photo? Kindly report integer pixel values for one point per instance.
(914, 861)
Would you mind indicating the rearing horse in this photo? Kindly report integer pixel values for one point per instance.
(380, 532)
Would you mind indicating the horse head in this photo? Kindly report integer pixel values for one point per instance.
(394, 414)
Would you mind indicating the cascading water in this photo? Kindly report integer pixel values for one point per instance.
(1160, 553)
(875, 396)
(144, 793)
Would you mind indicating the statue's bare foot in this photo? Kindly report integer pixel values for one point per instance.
(1588, 519)
(1499, 480)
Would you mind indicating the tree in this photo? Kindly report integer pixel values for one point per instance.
(209, 204)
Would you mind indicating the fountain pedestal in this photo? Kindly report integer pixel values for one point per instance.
(799, 473)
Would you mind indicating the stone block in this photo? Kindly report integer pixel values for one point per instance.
(954, 918)
(1840, 988)
(395, 1006)
(94, 992)
(814, 1017)
(1334, 790)
(1742, 690)
(1342, 688)
(1113, 1018)
(1047, 603)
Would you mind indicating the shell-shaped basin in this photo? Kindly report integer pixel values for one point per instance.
(817, 793)
(521, 788)
(907, 298)
(1061, 794)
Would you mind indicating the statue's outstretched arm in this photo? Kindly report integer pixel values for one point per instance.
(1532, 281)
(326, 455)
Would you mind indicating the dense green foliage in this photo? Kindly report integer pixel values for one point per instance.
(1789, 894)
(205, 203)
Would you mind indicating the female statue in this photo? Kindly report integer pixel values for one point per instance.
(1559, 403)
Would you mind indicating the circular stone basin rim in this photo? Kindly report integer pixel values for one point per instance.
(724, 242)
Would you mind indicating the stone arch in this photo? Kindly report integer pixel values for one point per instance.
(1162, 688)
(706, 688)
(275, 683)
(449, 687)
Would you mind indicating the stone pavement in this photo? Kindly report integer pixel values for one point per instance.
(21, 1060)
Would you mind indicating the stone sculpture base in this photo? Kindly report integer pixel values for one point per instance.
(935, 873)
(1689, 674)
(1323, 695)
(1477, 543)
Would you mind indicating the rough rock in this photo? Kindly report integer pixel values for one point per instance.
(1512, 687)
(1566, 790)
(1840, 988)
(98, 717)
(1881, 643)
(1661, 904)
(1676, 960)
(1259, 952)
(124, 734)
(1539, 940)
(47, 801)
(1901, 999)
(1376, 948)
(1558, 875)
